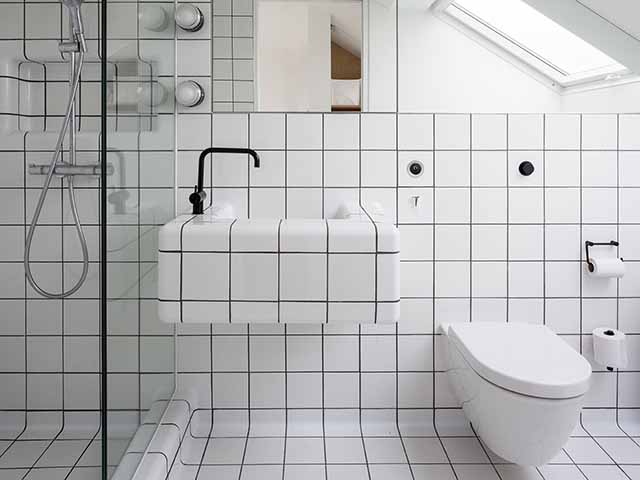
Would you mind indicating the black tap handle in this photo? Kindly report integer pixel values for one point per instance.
(197, 199)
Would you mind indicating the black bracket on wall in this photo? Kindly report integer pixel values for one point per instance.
(198, 196)
(588, 244)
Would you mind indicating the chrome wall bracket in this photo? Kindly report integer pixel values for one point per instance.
(68, 170)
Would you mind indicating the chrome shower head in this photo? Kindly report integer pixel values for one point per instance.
(77, 25)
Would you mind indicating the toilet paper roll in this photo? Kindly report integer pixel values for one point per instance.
(610, 347)
(607, 267)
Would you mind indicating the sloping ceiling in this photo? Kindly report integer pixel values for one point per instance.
(596, 21)
(625, 14)
(346, 25)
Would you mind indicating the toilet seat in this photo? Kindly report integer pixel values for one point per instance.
(527, 359)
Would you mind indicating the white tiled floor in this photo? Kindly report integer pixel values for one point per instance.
(347, 450)
(384, 453)
(62, 457)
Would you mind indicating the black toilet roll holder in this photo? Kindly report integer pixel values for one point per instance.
(588, 244)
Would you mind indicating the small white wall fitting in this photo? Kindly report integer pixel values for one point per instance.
(189, 17)
(152, 94)
(153, 18)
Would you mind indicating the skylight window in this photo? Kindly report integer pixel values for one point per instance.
(534, 38)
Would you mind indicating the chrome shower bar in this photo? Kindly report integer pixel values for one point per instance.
(68, 170)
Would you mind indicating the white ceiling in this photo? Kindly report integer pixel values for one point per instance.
(625, 14)
(598, 27)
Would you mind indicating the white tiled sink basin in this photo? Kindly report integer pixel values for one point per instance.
(215, 268)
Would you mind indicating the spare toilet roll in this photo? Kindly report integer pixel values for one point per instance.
(610, 347)
(607, 267)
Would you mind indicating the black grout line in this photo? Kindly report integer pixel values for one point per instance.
(286, 167)
(324, 431)
(540, 473)
(139, 289)
(244, 452)
(364, 447)
(508, 227)
(26, 303)
(326, 308)
(404, 448)
(580, 349)
(574, 463)
(206, 446)
(544, 218)
(286, 403)
(248, 170)
(486, 452)
(617, 406)
(602, 448)
(433, 278)
(471, 218)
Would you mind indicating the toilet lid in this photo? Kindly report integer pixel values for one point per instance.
(527, 359)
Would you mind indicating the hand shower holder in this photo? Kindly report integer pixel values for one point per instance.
(69, 47)
(68, 170)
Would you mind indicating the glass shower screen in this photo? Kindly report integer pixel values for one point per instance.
(138, 150)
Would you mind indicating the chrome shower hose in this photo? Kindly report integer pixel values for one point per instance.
(70, 111)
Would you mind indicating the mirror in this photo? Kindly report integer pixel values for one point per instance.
(305, 56)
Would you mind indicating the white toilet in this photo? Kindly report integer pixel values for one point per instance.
(521, 386)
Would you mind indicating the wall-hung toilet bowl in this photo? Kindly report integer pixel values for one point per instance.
(521, 386)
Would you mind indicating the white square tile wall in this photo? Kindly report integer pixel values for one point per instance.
(480, 242)
(230, 62)
(49, 349)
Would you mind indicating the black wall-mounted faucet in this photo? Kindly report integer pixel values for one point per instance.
(198, 196)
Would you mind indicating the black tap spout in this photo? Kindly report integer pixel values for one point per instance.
(198, 196)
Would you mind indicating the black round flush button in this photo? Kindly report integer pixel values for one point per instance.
(526, 168)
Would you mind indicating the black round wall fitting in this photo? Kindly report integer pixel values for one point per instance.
(415, 168)
(526, 168)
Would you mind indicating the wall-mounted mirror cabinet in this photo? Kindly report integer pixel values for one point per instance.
(305, 56)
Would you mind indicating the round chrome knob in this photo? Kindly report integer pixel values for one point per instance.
(153, 18)
(189, 93)
(189, 17)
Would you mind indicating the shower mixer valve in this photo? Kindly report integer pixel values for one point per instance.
(68, 47)
(63, 169)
